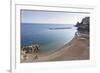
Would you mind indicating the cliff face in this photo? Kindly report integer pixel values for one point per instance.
(83, 26)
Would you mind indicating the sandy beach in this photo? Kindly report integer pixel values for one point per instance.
(76, 49)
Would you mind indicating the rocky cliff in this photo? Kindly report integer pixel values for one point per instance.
(83, 26)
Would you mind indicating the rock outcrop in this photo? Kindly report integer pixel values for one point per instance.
(83, 26)
(31, 49)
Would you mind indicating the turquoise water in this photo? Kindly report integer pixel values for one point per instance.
(46, 35)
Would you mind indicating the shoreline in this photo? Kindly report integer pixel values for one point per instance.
(76, 49)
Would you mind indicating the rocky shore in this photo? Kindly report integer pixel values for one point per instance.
(76, 49)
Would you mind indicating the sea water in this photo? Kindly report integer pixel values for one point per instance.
(46, 35)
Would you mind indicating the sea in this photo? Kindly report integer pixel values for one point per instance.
(48, 36)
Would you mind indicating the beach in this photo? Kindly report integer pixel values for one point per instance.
(76, 49)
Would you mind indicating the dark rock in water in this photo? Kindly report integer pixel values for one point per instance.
(83, 26)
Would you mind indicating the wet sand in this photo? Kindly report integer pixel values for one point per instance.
(76, 49)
